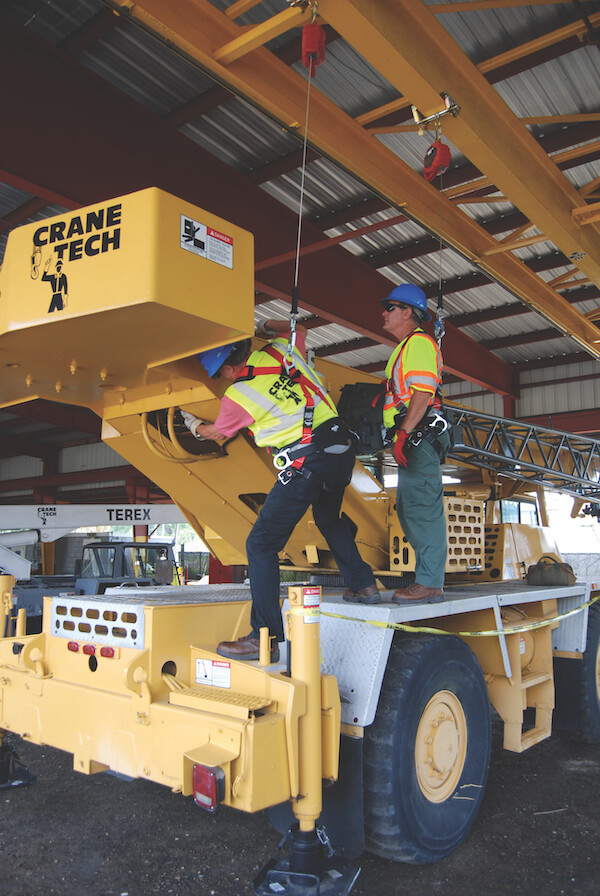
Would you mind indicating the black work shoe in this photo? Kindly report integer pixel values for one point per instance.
(246, 648)
(368, 595)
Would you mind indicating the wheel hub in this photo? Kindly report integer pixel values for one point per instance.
(440, 746)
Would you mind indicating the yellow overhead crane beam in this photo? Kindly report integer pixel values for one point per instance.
(415, 53)
(200, 31)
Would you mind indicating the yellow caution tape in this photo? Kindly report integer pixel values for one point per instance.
(509, 630)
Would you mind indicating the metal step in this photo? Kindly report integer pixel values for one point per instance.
(219, 700)
(530, 679)
(534, 736)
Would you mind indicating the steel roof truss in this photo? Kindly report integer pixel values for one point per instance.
(407, 45)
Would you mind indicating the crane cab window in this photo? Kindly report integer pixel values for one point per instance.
(97, 562)
(525, 512)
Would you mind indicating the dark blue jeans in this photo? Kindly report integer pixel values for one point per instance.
(283, 509)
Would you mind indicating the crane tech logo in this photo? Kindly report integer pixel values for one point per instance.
(78, 237)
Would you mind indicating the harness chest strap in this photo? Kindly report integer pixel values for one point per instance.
(309, 389)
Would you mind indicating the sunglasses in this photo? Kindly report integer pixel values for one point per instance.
(391, 305)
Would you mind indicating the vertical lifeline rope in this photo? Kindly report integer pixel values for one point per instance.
(439, 327)
(294, 311)
(313, 54)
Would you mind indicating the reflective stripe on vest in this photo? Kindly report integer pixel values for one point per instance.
(275, 401)
(399, 388)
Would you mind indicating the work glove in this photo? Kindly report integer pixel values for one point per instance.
(399, 448)
(191, 422)
(264, 331)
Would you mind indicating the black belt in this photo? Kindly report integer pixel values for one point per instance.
(429, 430)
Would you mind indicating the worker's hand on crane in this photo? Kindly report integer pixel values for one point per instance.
(199, 429)
(192, 423)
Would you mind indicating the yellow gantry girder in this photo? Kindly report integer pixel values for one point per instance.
(395, 39)
(408, 46)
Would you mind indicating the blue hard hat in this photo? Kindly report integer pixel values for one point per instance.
(409, 294)
(213, 359)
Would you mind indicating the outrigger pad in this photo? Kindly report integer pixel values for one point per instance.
(12, 772)
(310, 868)
(275, 877)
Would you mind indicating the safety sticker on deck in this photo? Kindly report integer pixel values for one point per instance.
(214, 673)
(206, 242)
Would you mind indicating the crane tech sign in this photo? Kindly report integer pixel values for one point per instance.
(81, 236)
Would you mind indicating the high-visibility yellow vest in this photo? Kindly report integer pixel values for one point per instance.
(416, 363)
(275, 401)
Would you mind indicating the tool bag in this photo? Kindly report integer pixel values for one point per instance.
(549, 571)
(361, 408)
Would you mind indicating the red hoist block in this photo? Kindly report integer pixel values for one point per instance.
(313, 46)
(436, 161)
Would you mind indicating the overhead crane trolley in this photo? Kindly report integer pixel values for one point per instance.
(377, 718)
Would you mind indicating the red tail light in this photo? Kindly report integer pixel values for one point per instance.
(89, 649)
(209, 786)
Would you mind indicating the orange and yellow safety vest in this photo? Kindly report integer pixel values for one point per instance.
(415, 363)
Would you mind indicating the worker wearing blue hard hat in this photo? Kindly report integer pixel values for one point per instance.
(413, 416)
(410, 295)
(282, 400)
(214, 358)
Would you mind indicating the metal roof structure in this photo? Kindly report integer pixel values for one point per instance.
(208, 101)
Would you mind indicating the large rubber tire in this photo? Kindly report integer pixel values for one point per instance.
(427, 753)
(590, 692)
(577, 687)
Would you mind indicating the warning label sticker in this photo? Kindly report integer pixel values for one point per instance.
(311, 598)
(206, 242)
(213, 673)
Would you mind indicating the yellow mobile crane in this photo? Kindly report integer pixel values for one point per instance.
(107, 308)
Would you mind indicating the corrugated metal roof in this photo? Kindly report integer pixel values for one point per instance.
(149, 71)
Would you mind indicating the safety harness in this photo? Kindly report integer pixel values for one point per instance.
(433, 422)
(289, 460)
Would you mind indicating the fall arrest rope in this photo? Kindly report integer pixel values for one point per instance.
(313, 54)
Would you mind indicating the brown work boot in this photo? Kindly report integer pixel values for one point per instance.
(247, 648)
(368, 595)
(417, 592)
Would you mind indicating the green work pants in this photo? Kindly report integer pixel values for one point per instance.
(420, 507)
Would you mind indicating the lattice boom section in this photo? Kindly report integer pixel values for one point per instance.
(466, 539)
